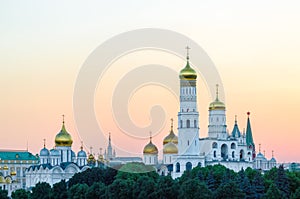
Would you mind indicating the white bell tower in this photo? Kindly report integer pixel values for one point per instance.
(188, 116)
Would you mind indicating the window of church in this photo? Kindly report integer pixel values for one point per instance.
(215, 145)
(215, 154)
(177, 167)
(187, 123)
(180, 123)
(195, 123)
(233, 146)
(232, 154)
(188, 143)
(188, 166)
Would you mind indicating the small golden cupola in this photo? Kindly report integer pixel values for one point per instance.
(150, 148)
(171, 137)
(63, 138)
(170, 148)
(188, 73)
(217, 104)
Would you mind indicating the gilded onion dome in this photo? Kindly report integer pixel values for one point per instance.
(188, 73)
(171, 137)
(217, 104)
(63, 138)
(2, 180)
(91, 159)
(170, 148)
(150, 148)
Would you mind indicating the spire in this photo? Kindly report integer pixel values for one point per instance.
(187, 53)
(44, 142)
(217, 92)
(63, 128)
(171, 124)
(259, 147)
(150, 137)
(109, 139)
(81, 147)
(236, 131)
(272, 154)
(249, 137)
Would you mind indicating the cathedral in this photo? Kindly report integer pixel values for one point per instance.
(234, 150)
(59, 163)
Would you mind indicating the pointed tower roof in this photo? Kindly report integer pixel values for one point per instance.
(236, 131)
(249, 137)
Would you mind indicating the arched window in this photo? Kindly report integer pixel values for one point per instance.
(177, 167)
(214, 145)
(188, 143)
(180, 123)
(188, 166)
(187, 123)
(232, 154)
(199, 164)
(242, 154)
(233, 146)
(195, 124)
(224, 151)
(215, 154)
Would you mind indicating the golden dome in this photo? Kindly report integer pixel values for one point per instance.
(8, 180)
(171, 137)
(91, 159)
(13, 173)
(63, 138)
(188, 73)
(2, 180)
(217, 104)
(170, 148)
(5, 167)
(150, 148)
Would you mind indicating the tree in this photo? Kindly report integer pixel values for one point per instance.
(229, 190)
(273, 192)
(282, 182)
(97, 190)
(166, 187)
(245, 185)
(296, 195)
(144, 188)
(258, 185)
(193, 188)
(20, 194)
(3, 194)
(121, 188)
(41, 191)
(77, 191)
(211, 182)
(59, 190)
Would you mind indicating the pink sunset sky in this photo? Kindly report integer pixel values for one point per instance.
(255, 46)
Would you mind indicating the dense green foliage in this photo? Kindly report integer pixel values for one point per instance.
(136, 180)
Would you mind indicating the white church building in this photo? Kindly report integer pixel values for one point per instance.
(234, 150)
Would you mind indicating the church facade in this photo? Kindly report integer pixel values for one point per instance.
(59, 163)
(234, 150)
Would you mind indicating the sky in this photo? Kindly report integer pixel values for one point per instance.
(254, 45)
